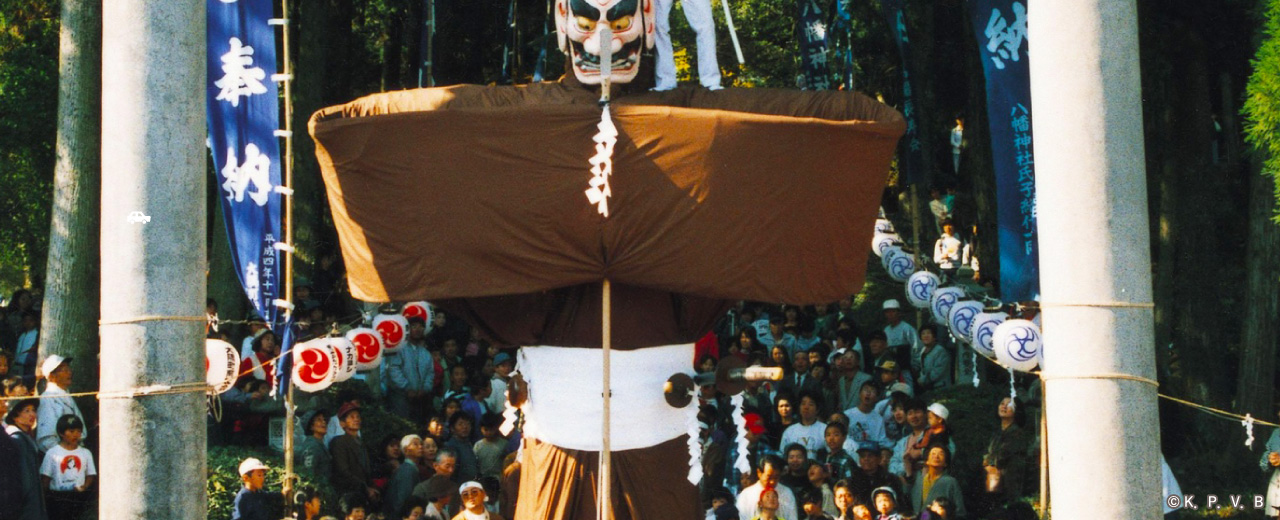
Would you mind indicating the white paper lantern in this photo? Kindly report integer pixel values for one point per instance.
(393, 328)
(941, 301)
(880, 242)
(419, 310)
(898, 263)
(368, 344)
(347, 357)
(1018, 344)
(221, 365)
(884, 226)
(983, 330)
(960, 319)
(920, 287)
(315, 365)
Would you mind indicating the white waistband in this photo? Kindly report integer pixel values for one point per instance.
(564, 406)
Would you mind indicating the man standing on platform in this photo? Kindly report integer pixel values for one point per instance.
(698, 12)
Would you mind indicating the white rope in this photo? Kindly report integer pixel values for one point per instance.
(1248, 430)
(975, 369)
(1013, 391)
(602, 163)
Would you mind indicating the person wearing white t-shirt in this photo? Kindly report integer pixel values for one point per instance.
(865, 425)
(68, 471)
(809, 432)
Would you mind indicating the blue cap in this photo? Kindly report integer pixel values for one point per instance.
(501, 358)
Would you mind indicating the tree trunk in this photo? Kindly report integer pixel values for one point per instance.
(69, 326)
(1261, 301)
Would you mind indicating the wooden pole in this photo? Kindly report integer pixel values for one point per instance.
(287, 488)
(606, 503)
(1044, 457)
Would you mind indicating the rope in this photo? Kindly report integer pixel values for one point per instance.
(1123, 305)
(140, 319)
(1129, 377)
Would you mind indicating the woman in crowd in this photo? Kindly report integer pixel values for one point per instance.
(21, 427)
(306, 504)
(784, 417)
(387, 461)
(1006, 457)
(405, 477)
(312, 457)
(934, 482)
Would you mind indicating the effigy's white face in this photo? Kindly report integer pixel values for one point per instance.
(578, 23)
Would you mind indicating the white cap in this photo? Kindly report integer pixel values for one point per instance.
(51, 363)
(906, 389)
(471, 484)
(251, 464)
(939, 410)
(891, 304)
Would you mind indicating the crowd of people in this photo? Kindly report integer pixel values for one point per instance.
(850, 432)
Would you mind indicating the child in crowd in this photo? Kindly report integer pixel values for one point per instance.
(768, 506)
(68, 471)
(938, 432)
(840, 465)
(353, 506)
(818, 481)
(886, 501)
(811, 505)
(861, 512)
(253, 502)
(14, 386)
(492, 448)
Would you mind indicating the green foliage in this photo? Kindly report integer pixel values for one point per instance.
(224, 479)
(1262, 98)
(28, 102)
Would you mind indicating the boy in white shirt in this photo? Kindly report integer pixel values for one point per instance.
(68, 470)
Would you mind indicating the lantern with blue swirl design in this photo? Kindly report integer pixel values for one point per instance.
(882, 241)
(1018, 344)
(983, 330)
(884, 227)
(898, 263)
(960, 319)
(941, 301)
(920, 287)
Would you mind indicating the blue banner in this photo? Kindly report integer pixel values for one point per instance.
(244, 114)
(815, 75)
(1001, 29)
(910, 163)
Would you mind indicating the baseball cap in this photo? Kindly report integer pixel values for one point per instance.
(501, 358)
(755, 423)
(888, 364)
(939, 410)
(885, 489)
(891, 304)
(903, 388)
(251, 464)
(51, 363)
(346, 409)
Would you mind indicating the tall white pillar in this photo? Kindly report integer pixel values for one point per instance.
(153, 273)
(1095, 265)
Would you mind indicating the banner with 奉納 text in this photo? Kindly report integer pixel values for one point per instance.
(911, 162)
(244, 115)
(1001, 30)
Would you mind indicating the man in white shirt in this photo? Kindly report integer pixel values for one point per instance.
(55, 402)
(947, 249)
(809, 432)
(865, 425)
(771, 467)
(900, 335)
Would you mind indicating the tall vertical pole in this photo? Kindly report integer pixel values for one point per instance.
(287, 74)
(606, 474)
(1096, 265)
(153, 272)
